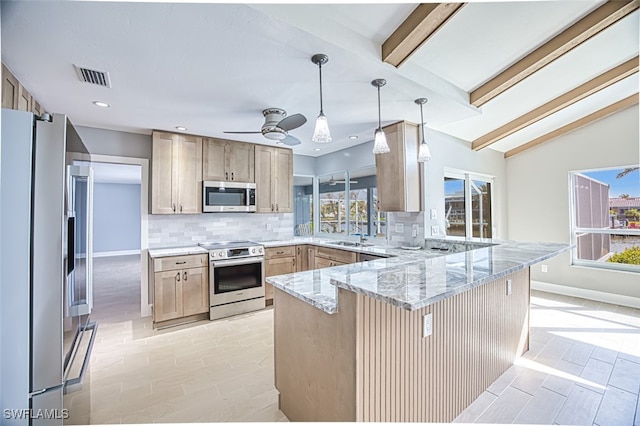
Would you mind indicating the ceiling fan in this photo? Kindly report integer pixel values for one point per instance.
(333, 182)
(277, 125)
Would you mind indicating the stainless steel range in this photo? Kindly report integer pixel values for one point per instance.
(236, 277)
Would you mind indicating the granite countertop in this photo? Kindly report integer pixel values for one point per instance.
(176, 251)
(412, 279)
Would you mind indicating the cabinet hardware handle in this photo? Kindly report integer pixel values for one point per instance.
(271, 207)
(277, 208)
(279, 252)
(231, 175)
(181, 263)
(226, 175)
(174, 207)
(178, 277)
(184, 275)
(180, 208)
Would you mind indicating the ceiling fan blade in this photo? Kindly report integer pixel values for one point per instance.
(292, 122)
(247, 133)
(291, 140)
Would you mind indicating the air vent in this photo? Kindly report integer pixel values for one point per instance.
(100, 78)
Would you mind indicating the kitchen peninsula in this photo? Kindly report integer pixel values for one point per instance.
(416, 336)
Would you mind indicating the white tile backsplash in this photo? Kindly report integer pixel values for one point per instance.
(184, 230)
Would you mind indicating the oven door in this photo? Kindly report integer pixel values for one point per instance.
(235, 280)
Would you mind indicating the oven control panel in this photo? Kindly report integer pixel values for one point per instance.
(233, 253)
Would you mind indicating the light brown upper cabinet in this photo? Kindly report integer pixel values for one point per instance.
(9, 89)
(274, 179)
(398, 172)
(176, 181)
(15, 96)
(228, 161)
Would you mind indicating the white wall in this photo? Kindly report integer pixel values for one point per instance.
(304, 165)
(116, 143)
(116, 218)
(538, 195)
(448, 151)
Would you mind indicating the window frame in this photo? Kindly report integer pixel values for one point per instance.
(468, 178)
(575, 231)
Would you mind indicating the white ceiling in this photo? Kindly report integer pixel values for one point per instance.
(214, 67)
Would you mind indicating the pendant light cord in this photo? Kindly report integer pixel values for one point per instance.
(320, 70)
(422, 122)
(379, 121)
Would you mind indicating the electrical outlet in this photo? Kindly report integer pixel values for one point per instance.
(414, 230)
(427, 325)
(434, 214)
(544, 268)
(508, 287)
(435, 230)
(399, 228)
(267, 226)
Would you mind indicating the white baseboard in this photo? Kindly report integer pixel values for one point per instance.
(600, 296)
(116, 253)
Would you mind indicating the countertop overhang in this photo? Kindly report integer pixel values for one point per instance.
(410, 279)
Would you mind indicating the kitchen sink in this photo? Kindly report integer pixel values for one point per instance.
(349, 243)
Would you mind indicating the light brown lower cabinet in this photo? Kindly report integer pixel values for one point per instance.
(326, 257)
(278, 261)
(180, 289)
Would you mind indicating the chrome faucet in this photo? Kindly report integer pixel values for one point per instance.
(362, 237)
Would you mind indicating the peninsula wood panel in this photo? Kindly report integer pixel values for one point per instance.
(476, 337)
(369, 361)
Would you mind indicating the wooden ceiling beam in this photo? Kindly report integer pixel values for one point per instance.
(611, 109)
(598, 20)
(600, 82)
(424, 21)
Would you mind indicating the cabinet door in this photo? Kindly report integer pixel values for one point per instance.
(195, 291)
(214, 161)
(323, 262)
(167, 298)
(241, 158)
(163, 174)
(36, 108)
(302, 258)
(277, 266)
(189, 175)
(283, 184)
(9, 89)
(24, 99)
(265, 173)
(389, 168)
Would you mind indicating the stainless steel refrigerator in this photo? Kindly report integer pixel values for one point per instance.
(46, 271)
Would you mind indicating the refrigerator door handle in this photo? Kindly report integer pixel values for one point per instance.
(75, 384)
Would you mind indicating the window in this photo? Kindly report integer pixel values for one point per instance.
(303, 205)
(356, 213)
(605, 218)
(467, 205)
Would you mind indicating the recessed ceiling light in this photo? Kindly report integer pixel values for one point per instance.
(279, 143)
(316, 149)
(101, 104)
(353, 137)
(181, 128)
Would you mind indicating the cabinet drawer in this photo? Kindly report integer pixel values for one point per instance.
(180, 262)
(342, 256)
(284, 251)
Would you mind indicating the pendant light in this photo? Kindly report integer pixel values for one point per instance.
(321, 133)
(424, 153)
(379, 140)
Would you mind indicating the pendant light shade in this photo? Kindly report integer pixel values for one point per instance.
(321, 134)
(380, 145)
(424, 153)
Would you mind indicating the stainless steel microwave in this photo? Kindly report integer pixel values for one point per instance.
(220, 196)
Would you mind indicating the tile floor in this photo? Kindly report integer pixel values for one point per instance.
(583, 367)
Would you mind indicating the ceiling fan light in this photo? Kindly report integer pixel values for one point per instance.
(424, 153)
(380, 145)
(321, 133)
